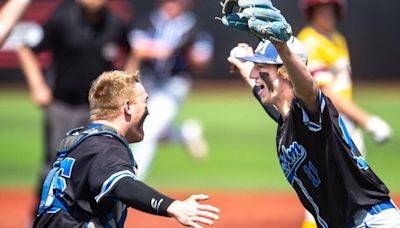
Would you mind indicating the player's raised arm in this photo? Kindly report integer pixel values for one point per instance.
(304, 86)
(267, 23)
(240, 66)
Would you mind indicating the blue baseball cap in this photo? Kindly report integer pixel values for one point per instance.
(266, 52)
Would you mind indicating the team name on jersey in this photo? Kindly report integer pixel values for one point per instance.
(291, 158)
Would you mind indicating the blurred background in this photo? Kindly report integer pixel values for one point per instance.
(242, 154)
(371, 35)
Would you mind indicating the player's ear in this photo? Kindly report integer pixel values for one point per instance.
(127, 106)
(282, 72)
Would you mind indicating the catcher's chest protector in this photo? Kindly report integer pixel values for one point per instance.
(52, 191)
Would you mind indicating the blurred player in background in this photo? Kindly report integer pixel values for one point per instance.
(9, 15)
(94, 179)
(84, 38)
(329, 63)
(167, 47)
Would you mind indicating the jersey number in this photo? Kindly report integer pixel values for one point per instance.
(312, 173)
(64, 172)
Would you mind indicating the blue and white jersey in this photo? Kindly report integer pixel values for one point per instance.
(85, 183)
(179, 35)
(322, 164)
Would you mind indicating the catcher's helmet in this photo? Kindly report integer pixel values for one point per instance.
(306, 7)
(266, 53)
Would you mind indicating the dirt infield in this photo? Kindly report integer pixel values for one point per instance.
(252, 209)
(238, 210)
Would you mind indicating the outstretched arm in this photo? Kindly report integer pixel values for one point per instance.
(304, 86)
(9, 15)
(189, 212)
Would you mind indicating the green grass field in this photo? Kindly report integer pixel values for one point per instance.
(241, 140)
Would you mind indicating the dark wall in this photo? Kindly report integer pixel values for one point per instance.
(371, 27)
(373, 31)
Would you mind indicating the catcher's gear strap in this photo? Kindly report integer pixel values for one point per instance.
(75, 136)
(71, 140)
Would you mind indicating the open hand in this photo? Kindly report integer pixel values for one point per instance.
(190, 213)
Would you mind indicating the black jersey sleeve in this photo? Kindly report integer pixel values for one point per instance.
(312, 125)
(140, 196)
(269, 109)
(110, 166)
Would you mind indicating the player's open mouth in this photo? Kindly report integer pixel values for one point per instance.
(262, 89)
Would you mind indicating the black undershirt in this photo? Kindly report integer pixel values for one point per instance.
(142, 197)
(81, 49)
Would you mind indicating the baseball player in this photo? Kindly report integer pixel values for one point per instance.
(167, 47)
(9, 15)
(93, 180)
(316, 153)
(329, 64)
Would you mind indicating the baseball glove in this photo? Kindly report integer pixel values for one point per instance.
(258, 17)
